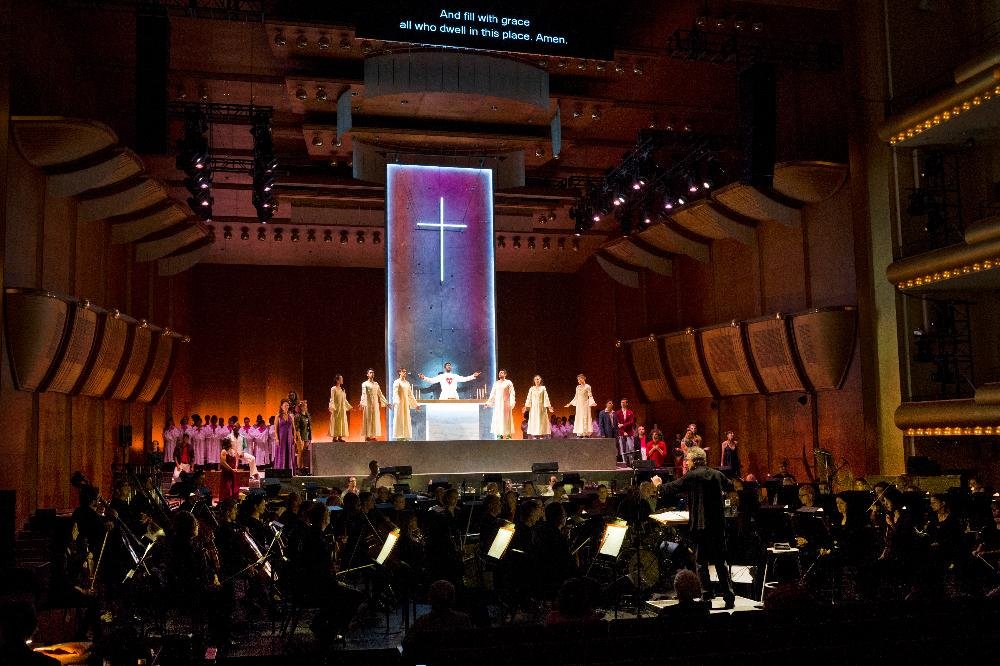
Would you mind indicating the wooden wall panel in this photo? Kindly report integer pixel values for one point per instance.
(831, 251)
(782, 267)
(736, 281)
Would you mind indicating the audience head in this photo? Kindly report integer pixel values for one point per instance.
(687, 586)
(441, 596)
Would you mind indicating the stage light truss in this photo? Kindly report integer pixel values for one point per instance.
(665, 169)
(230, 114)
(739, 48)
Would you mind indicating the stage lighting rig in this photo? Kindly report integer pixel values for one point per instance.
(264, 166)
(193, 159)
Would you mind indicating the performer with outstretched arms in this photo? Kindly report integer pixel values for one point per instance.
(449, 381)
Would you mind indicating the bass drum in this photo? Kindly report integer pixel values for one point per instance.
(642, 567)
(386, 480)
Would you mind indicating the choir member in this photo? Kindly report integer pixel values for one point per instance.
(502, 402)
(730, 462)
(538, 408)
(403, 401)
(372, 401)
(339, 427)
(171, 436)
(583, 400)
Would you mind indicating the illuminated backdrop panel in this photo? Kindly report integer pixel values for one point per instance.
(439, 247)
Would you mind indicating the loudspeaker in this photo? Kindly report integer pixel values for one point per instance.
(7, 527)
(152, 62)
(125, 436)
(758, 108)
(279, 473)
(544, 468)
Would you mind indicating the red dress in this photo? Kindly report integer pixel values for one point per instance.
(227, 483)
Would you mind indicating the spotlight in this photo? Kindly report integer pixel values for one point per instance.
(562, 243)
(279, 235)
(668, 204)
(193, 160)
(317, 140)
(552, 216)
(324, 42)
(701, 22)
(576, 244)
(264, 166)
(720, 24)
(360, 237)
(301, 41)
(295, 235)
(619, 67)
(577, 112)
(517, 242)
(338, 143)
(377, 237)
(321, 95)
(227, 233)
(681, 201)
(597, 217)
(261, 234)
(311, 236)
(343, 237)
(279, 39)
(599, 66)
(757, 27)
(531, 243)
(546, 244)
(345, 43)
(637, 68)
(647, 220)
(245, 233)
(301, 93)
(501, 241)
(366, 47)
(595, 114)
(581, 65)
(539, 152)
(327, 236)
(740, 25)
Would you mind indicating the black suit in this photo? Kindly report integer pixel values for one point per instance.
(705, 488)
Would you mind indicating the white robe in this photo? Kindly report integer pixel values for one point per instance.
(449, 382)
(583, 401)
(339, 407)
(171, 438)
(502, 401)
(261, 445)
(372, 400)
(403, 401)
(538, 406)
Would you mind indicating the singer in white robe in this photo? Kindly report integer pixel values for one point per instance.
(339, 428)
(403, 401)
(539, 407)
(372, 402)
(583, 401)
(502, 401)
(449, 382)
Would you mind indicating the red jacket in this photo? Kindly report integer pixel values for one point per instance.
(626, 422)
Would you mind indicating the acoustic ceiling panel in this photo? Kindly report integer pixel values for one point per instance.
(159, 372)
(35, 324)
(142, 346)
(682, 359)
(81, 343)
(110, 355)
(771, 348)
(727, 361)
(649, 370)
(824, 340)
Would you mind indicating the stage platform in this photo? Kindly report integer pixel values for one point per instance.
(457, 457)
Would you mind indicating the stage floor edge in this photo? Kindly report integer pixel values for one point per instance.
(443, 458)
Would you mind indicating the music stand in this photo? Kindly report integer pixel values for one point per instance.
(390, 543)
(613, 539)
(501, 542)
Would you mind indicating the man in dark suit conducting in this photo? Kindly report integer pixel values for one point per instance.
(706, 488)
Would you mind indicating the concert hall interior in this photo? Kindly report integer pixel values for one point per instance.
(770, 226)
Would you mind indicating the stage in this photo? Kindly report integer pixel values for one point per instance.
(457, 457)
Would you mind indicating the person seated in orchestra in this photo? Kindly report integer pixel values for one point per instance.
(944, 543)
(508, 507)
(782, 474)
(601, 504)
(251, 509)
(314, 582)
(519, 569)
(554, 559)
(558, 494)
(987, 553)
(188, 569)
(444, 541)
(528, 489)
(901, 556)
(489, 523)
(382, 494)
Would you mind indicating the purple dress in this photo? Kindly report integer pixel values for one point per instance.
(284, 455)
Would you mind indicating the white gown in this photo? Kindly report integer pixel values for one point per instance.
(338, 412)
(583, 401)
(403, 401)
(502, 401)
(538, 405)
(372, 400)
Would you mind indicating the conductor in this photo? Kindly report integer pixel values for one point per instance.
(705, 488)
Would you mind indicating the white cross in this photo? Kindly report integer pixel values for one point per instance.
(440, 225)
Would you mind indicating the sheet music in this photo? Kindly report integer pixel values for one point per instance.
(501, 541)
(390, 542)
(614, 537)
(671, 517)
